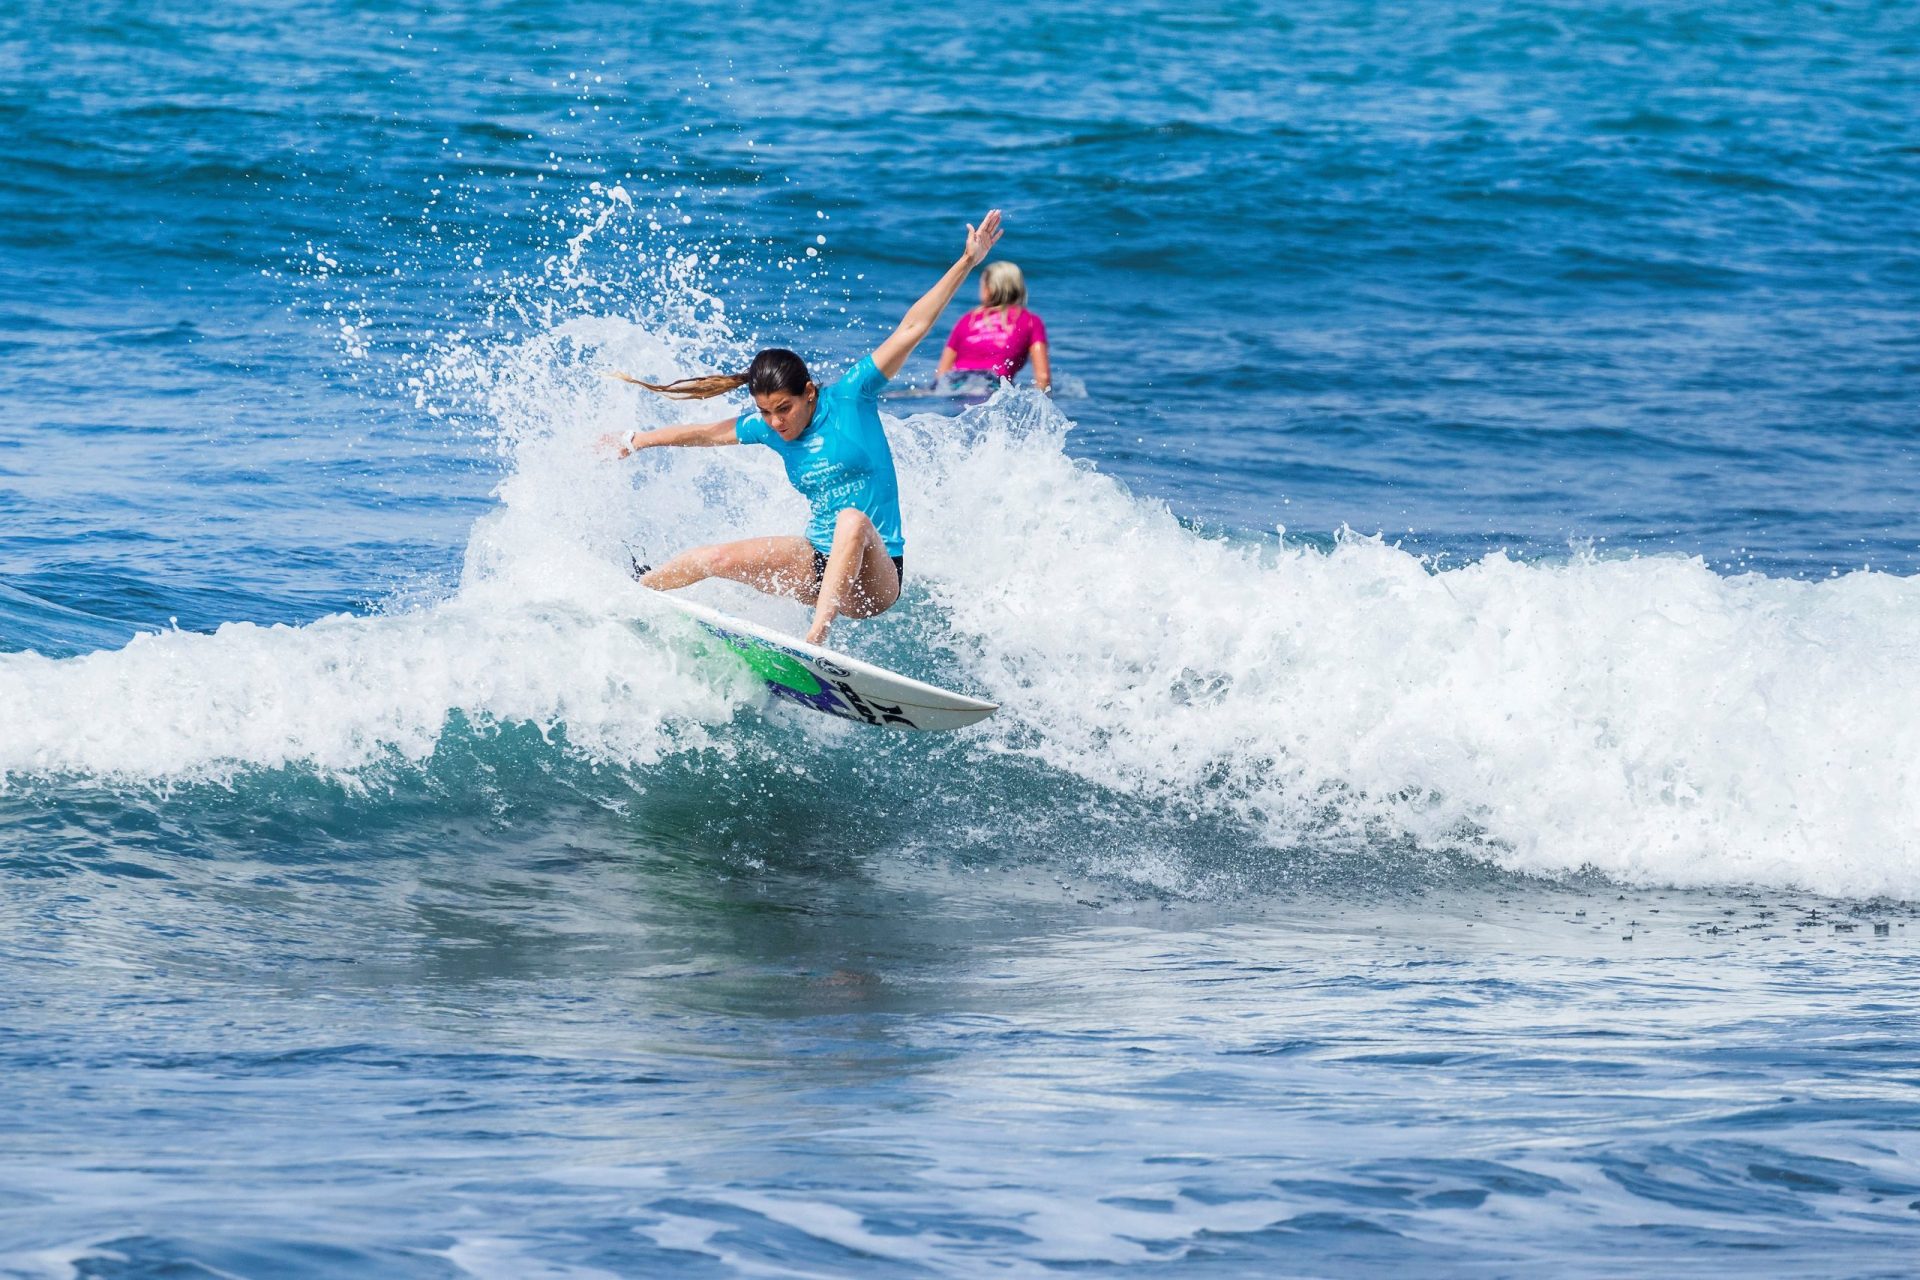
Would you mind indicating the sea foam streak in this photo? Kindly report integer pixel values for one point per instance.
(1646, 718)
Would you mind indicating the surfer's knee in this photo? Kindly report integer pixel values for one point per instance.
(853, 523)
(725, 559)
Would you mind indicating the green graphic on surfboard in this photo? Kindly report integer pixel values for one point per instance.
(833, 683)
(773, 666)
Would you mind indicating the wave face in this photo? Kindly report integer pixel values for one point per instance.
(1646, 718)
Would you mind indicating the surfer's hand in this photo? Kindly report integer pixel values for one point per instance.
(616, 446)
(981, 239)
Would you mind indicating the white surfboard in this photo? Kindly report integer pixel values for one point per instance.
(833, 683)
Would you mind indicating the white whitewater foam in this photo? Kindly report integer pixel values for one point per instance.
(346, 692)
(1647, 718)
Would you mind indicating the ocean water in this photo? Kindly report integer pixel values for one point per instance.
(1454, 806)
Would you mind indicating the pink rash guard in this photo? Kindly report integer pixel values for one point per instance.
(995, 342)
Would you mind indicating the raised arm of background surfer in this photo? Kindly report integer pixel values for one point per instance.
(835, 453)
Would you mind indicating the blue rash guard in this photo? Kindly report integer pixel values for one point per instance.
(841, 460)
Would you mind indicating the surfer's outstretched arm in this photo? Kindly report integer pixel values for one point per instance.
(691, 435)
(921, 317)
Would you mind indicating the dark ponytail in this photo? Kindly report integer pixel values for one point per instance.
(775, 369)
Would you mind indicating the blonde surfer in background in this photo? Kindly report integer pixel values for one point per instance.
(997, 337)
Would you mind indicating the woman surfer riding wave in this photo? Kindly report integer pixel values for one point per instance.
(852, 558)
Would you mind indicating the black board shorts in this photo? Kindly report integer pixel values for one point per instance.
(820, 569)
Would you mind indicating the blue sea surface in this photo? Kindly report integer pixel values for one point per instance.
(1453, 809)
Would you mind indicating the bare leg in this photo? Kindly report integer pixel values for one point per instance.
(860, 580)
(777, 566)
